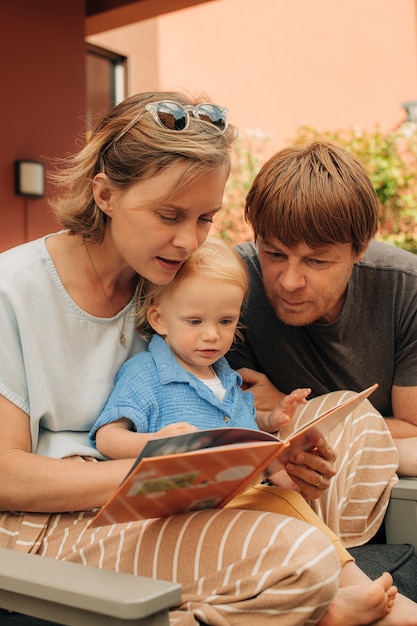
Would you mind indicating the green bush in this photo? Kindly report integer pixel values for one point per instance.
(391, 163)
(248, 155)
(390, 158)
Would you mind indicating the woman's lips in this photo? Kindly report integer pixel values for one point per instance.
(170, 264)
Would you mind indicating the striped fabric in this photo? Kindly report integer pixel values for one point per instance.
(257, 568)
(239, 567)
(354, 505)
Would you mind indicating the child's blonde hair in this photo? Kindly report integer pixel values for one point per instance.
(214, 259)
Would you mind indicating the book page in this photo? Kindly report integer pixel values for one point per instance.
(206, 469)
(200, 479)
(305, 437)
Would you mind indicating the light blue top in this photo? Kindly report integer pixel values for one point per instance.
(153, 390)
(57, 362)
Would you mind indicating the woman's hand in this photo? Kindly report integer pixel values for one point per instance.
(312, 471)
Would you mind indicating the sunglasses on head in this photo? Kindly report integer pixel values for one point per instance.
(175, 116)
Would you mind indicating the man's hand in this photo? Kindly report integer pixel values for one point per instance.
(267, 397)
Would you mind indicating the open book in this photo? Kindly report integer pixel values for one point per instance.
(206, 469)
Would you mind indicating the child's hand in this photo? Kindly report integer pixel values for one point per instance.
(284, 412)
(179, 428)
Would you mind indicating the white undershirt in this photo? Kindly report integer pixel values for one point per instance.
(215, 385)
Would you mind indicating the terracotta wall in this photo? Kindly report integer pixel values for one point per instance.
(277, 64)
(42, 102)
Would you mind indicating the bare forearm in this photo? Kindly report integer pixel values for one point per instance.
(39, 484)
(407, 450)
(401, 428)
(119, 443)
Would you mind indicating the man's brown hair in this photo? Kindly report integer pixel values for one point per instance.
(319, 194)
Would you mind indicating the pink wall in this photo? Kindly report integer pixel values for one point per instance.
(42, 104)
(277, 64)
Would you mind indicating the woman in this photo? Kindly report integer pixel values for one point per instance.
(135, 202)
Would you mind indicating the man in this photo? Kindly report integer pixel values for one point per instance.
(328, 308)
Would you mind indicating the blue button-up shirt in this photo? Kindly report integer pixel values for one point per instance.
(153, 390)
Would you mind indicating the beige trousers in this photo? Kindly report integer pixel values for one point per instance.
(241, 567)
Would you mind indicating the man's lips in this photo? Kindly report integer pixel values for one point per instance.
(292, 305)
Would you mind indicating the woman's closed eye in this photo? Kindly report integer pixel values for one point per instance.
(175, 218)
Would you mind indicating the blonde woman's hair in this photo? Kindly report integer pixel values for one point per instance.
(319, 194)
(144, 151)
(213, 259)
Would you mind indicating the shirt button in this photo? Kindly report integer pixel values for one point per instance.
(226, 419)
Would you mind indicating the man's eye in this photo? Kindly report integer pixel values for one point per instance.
(276, 256)
(318, 262)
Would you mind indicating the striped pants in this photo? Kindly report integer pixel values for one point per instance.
(239, 567)
(236, 567)
(355, 504)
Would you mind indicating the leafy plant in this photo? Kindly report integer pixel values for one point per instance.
(248, 155)
(390, 159)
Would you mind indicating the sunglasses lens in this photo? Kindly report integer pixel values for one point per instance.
(213, 114)
(172, 116)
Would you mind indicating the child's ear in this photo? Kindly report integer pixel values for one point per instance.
(156, 320)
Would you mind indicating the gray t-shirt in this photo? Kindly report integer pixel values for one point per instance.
(374, 339)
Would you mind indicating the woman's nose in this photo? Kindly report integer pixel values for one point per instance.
(187, 237)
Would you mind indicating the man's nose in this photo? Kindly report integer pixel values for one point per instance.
(292, 277)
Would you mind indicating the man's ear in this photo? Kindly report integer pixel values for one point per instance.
(102, 193)
(156, 320)
(359, 256)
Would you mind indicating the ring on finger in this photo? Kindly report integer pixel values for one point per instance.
(319, 481)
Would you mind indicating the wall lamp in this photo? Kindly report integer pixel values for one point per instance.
(30, 178)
